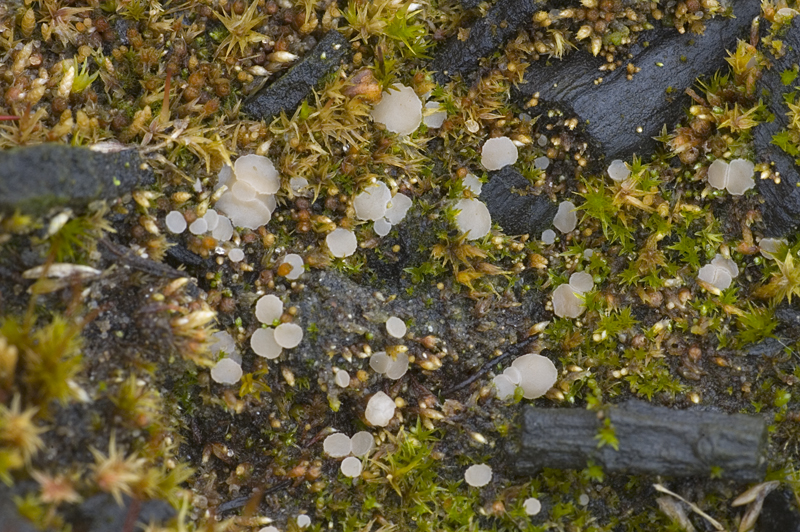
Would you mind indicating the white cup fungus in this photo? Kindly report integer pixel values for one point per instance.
(223, 231)
(532, 506)
(736, 177)
(296, 262)
(504, 388)
(341, 242)
(236, 255)
(537, 374)
(768, 247)
(342, 379)
(382, 227)
(269, 529)
(176, 223)
(337, 445)
(433, 117)
(719, 273)
(362, 443)
(226, 371)
(372, 202)
(351, 467)
(478, 475)
(223, 342)
(513, 374)
(498, 152)
(566, 219)
(259, 172)
(303, 521)
(264, 345)
(566, 302)
(474, 218)
(379, 362)
(380, 410)
(288, 335)
(397, 366)
(581, 281)
(243, 191)
(400, 110)
(245, 203)
(212, 219)
(396, 327)
(299, 186)
(548, 236)
(269, 308)
(198, 227)
(472, 183)
(541, 163)
(618, 170)
(398, 208)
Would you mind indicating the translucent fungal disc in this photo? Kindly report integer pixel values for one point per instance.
(513, 374)
(581, 282)
(769, 247)
(264, 345)
(176, 223)
(269, 529)
(224, 229)
(341, 242)
(268, 309)
(342, 379)
(566, 219)
(299, 186)
(362, 442)
(400, 110)
(236, 255)
(618, 171)
(371, 204)
(718, 174)
(397, 367)
(537, 374)
(382, 227)
(566, 304)
(398, 208)
(728, 264)
(212, 219)
(227, 371)
(541, 163)
(198, 227)
(380, 410)
(296, 262)
(478, 475)
(259, 172)
(498, 152)
(303, 521)
(548, 236)
(532, 506)
(288, 335)
(474, 219)
(472, 182)
(224, 177)
(243, 191)
(351, 467)
(249, 214)
(395, 327)
(337, 445)
(504, 388)
(224, 342)
(740, 176)
(380, 361)
(434, 118)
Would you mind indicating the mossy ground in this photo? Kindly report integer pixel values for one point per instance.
(104, 374)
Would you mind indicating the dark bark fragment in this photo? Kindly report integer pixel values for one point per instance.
(781, 209)
(287, 92)
(615, 109)
(510, 199)
(652, 440)
(37, 178)
(779, 513)
(485, 36)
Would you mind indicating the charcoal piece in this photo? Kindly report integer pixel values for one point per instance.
(652, 440)
(287, 92)
(779, 513)
(510, 199)
(613, 110)
(485, 36)
(36, 178)
(781, 208)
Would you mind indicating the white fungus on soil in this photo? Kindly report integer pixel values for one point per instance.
(380, 410)
(396, 327)
(400, 110)
(269, 529)
(736, 177)
(618, 170)
(342, 379)
(513, 374)
(541, 163)
(398, 208)
(303, 521)
(259, 172)
(566, 303)
(223, 342)
(362, 443)
(212, 219)
(548, 236)
(474, 218)
(350, 467)
(372, 202)
(341, 242)
(382, 227)
(532, 506)
(268, 309)
(537, 374)
(474, 184)
(299, 186)
(296, 262)
(337, 445)
(264, 345)
(176, 223)
(198, 227)
(249, 200)
(223, 230)
(719, 273)
(380, 362)
(566, 219)
(581, 282)
(498, 152)
(434, 118)
(236, 255)
(504, 387)
(768, 247)
(478, 475)
(397, 367)
(288, 335)
(227, 371)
